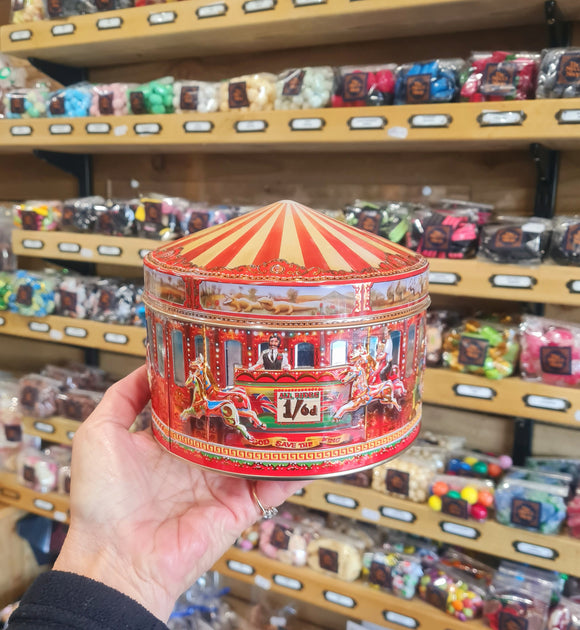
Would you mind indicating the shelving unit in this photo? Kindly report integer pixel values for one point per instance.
(353, 599)
(446, 126)
(51, 504)
(55, 428)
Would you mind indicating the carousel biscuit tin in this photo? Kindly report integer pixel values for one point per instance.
(285, 344)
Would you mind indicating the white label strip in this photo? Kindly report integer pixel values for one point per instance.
(108, 23)
(398, 515)
(261, 582)
(574, 286)
(109, 250)
(21, 130)
(569, 116)
(61, 129)
(116, 338)
(459, 530)
(59, 516)
(244, 126)
(162, 17)
(32, 243)
(69, 248)
(370, 515)
(286, 582)
(147, 129)
(75, 331)
(430, 120)
(41, 504)
(535, 550)
(44, 427)
(546, 402)
(307, 3)
(306, 124)
(2, 321)
(401, 620)
(500, 119)
(212, 10)
(240, 567)
(198, 126)
(20, 36)
(441, 277)
(40, 327)
(339, 599)
(63, 29)
(338, 499)
(254, 6)
(474, 391)
(367, 122)
(512, 282)
(98, 128)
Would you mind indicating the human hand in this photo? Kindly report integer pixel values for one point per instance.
(142, 520)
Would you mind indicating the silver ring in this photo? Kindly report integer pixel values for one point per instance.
(267, 512)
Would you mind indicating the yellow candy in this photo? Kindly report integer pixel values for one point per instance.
(434, 503)
(469, 494)
(470, 460)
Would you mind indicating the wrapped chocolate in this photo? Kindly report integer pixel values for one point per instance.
(391, 219)
(565, 244)
(559, 75)
(515, 240)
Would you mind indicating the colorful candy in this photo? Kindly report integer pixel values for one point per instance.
(38, 215)
(70, 102)
(565, 616)
(360, 86)
(461, 497)
(24, 11)
(199, 216)
(110, 99)
(155, 97)
(160, 217)
(394, 572)
(480, 465)
(515, 240)
(25, 102)
(33, 294)
(435, 81)
(391, 219)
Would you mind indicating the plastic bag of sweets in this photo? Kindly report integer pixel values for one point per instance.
(38, 395)
(406, 477)
(155, 97)
(573, 516)
(305, 88)
(461, 497)
(42, 215)
(482, 347)
(500, 76)
(25, 102)
(394, 572)
(10, 416)
(160, 217)
(518, 601)
(73, 296)
(335, 555)
(531, 505)
(199, 216)
(73, 101)
(110, 99)
(483, 211)
(78, 404)
(434, 81)
(33, 294)
(23, 11)
(285, 539)
(195, 96)
(66, 8)
(80, 215)
(564, 480)
(448, 442)
(559, 75)
(437, 322)
(391, 219)
(37, 471)
(7, 257)
(113, 301)
(460, 561)
(6, 287)
(565, 616)
(480, 465)
(550, 351)
(453, 591)
(253, 93)
(555, 465)
(360, 86)
(444, 233)
(117, 218)
(565, 243)
(515, 240)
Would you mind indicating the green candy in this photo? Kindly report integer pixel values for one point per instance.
(453, 494)
(480, 468)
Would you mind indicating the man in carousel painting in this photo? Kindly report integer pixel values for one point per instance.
(272, 358)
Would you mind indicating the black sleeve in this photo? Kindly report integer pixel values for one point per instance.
(59, 601)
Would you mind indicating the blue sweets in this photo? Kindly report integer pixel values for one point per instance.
(428, 82)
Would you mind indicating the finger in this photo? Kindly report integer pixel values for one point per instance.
(124, 400)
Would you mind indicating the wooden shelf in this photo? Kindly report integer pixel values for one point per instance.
(54, 429)
(353, 599)
(95, 248)
(51, 504)
(506, 397)
(210, 27)
(546, 283)
(396, 128)
(76, 332)
(560, 553)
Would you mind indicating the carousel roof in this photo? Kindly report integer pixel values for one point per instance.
(286, 241)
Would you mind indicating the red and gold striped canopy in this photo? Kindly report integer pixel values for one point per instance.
(286, 241)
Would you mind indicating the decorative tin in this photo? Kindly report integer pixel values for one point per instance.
(285, 344)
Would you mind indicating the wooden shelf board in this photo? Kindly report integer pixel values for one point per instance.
(111, 337)
(561, 553)
(130, 134)
(506, 397)
(284, 25)
(546, 283)
(95, 248)
(51, 504)
(369, 604)
(55, 429)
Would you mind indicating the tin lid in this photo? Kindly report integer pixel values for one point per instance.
(286, 243)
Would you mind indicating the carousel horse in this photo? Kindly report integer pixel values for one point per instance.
(208, 399)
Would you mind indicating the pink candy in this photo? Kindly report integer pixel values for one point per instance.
(110, 100)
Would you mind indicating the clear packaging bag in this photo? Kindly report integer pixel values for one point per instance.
(500, 76)
(360, 86)
(155, 97)
(7, 257)
(110, 99)
(37, 470)
(406, 477)
(515, 240)
(565, 616)
(43, 216)
(6, 288)
(336, 555)
(74, 295)
(33, 294)
(286, 539)
(159, 217)
(80, 215)
(73, 101)
(434, 81)
(199, 217)
(461, 497)
(78, 404)
(480, 465)
(391, 571)
(558, 76)
(38, 395)
(10, 416)
(24, 11)
(550, 351)
(448, 442)
(67, 8)
(253, 93)
(118, 218)
(195, 96)
(305, 88)
(437, 323)
(25, 102)
(113, 301)
(565, 243)
(391, 219)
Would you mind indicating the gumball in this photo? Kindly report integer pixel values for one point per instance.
(468, 494)
(470, 460)
(440, 488)
(435, 503)
(494, 470)
(453, 465)
(480, 468)
(485, 498)
(464, 468)
(478, 512)
(454, 494)
(505, 461)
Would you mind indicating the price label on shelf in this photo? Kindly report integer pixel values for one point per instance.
(212, 10)
(538, 551)
(508, 281)
(307, 124)
(116, 338)
(44, 427)
(573, 286)
(307, 3)
(474, 391)
(20, 36)
(255, 6)
(32, 243)
(240, 567)
(75, 331)
(109, 250)
(69, 248)
(400, 620)
(162, 17)
(341, 501)
(398, 515)
(21, 130)
(546, 402)
(147, 129)
(198, 126)
(430, 120)
(61, 129)
(42, 504)
(39, 327)
(339, 599)
(98, 128)
(441, 277)
(568, 117)
(59, 516)
(459, 530)
(246, 126)
(63, 29)
(500, 119)
(286, 582)
(367, 122)
(109, 23)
